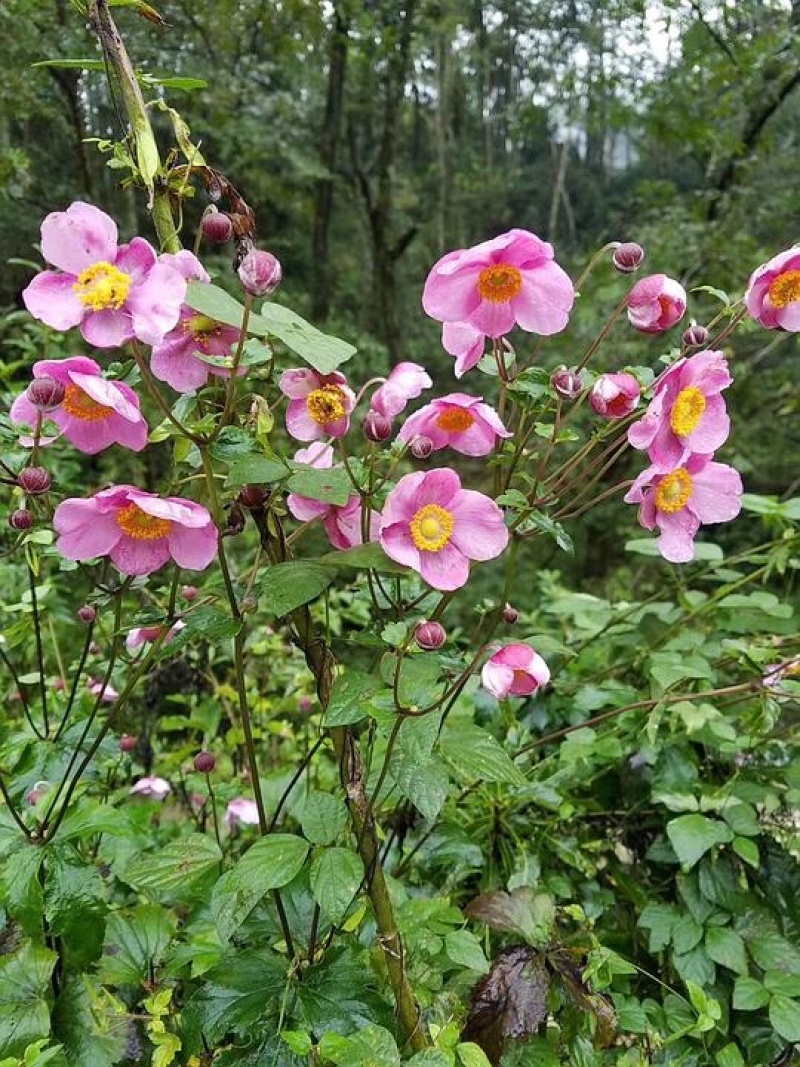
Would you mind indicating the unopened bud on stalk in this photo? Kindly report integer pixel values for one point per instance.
(695, 336)
(45, 393)
(87, 613)
(628, 257)
(251, 496)
(21, 519)
(305, 704)
(377, 427)
(204, 762)
(260, 273)
(216, 226)
(567, 383)
(189, 593)
(430, 636)
(127, 743)
(421, 447)
(510, 614)
(34, 481)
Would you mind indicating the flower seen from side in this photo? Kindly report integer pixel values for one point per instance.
(405, 382)
(514, 670)
(319, 404)
(153, 787)
(241, 812)
(614, 396)
(467, 344)
(142, 635)
(773, 292)
(656, 303)
(456, 421)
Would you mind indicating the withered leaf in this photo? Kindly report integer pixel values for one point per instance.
(521, 912)
(606, 1023)
(509, 1002)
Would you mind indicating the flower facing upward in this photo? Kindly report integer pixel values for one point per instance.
(405, 382)
(614, 396)
(687, 413)
(138, 531)
(514, 670)
(467, 344)
(457, 421)
(509, 281)
(773, 292)
(319, 404)
(678, 503)
(432, 525)
(656, 303)
(93, 414)
(113, 292)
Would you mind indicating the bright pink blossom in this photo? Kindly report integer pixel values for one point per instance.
(241, 812)
(138, 531)
(141, 635)
(773, 292)
(467, 344)
(514, 670)
(113, 292)
(319, 404)
(687, 413)
(509, 281)
(176, 359)
(434, 526)
(656, 303)
(94, 412)
(153, 787)
(613, 396)
(457, 421)
(405, 382)
(697, 493)
(342, 523)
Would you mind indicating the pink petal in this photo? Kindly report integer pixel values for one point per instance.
(107, 329)
(716, 492)
(193, 549)
(438, 486)
(451, 297)
(84, 532)
(545, 300)
(107, 393)
(137, 557)
(136, 259)
(186, 264)
(493, 319)
(480, 531)
(446, 569)
(304, 509)
(497, 679)
(397, 543)
(516, 655)
(300, 424)
(479, 440)
(676, 542)
(90, 437)
(788, 318)
(712, 430)
(297, 384)
(178, 368)
(74, 239)
(155, 304)
(60, 369)
(51, 299)
(174, 509)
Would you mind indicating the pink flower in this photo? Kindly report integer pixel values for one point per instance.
(656, 303)
(775, 673)
(342, 523)
(241, 812)
(456, 421)
(319, 404)
(156, 788)
(405, 382)
(431, 524)
(464, 342)
(514, 670)
(107, 693)
(773, 292)
(510, 280)
(113, 292)
(613, 396)
(175, 359)
(687, 413)
(678, 503)
(141, 635)
(94, 413)
(138, 531)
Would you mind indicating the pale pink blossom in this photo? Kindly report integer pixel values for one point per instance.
(141, 635)
(140, 532)
(107, 693)
(319, 404)
(697, 493)
(773, 292)
(656, 303)
(152, 787)
(405, 382)
(614, 396)
(514, 670)
(113, 292)
(457, 421)
(687, 414)
(94, 412)
(434, 526)
(775, 673)
(241, 812)
(467, 344)
(509, 281)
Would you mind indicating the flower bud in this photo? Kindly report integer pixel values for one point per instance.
(127, 743)
(628, 257)
(377, 427)
(216, 226)
(204, 762)
(45, 393)
(21, 519)
(567, 383)
(86, 613)
(614, 396)
(34, 481)
(59, 685)
(510, 614)
(260, 273)
(695, 336)
(305, 704)
(39, 790)
(421, 447)
(430, 636)
(236, 522)
(189, 593)
(251, 496)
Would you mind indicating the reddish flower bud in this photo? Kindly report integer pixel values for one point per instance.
(216, 226)
(34, 481)
(127, 743)
(59, 685)
(21, 519)
(628, 257)
(236, 522)
(86, 613)
(251, 496)
(510, 614)
(567, 383)
(45, 393)
(260, 273)
(421, 447)
(377, 427)
(614, 396)
(189, 593)
(204, 762)
(430, 636)
(695, 336)
(305, 704)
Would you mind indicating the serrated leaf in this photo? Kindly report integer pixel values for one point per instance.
(726, 947)
(331, 485)
(423, 780)
(522, 912)
(24, 1011)
(749, 994)
(693, 835)
(510, 1002)
(92, 1026)
(286, 586)
(336, 875)
(255, 470)
(135, 944)
(463, 948)
(170, 872)
(236, 994)
(348, 695)
(475, 755)
(784, 1014)
(324, 818)
(472, 1055)
(268, 864)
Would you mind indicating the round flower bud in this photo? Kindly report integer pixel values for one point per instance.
(305, 704)
(34, 481)
(216, 226)
(421, 447)
(45, 393)
(615, 396)
(127, 743)
(695, 336)
(86, 613)
(251, 496)
(430, 636)
(510, 614)
(204, 762)
(377, 427)
(260, 273)
(628, 257)
(21, 519)
(189, 593)
(567, 383)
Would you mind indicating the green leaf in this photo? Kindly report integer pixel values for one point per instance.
(749, 994)
(331, 486)
(92, 1032)
(268, 864)
(135, 944)
(423, 780)
(71, 64)
(730, 1056)
(474, 755)
(780, 982)
(323, 352)
(350, 691)
(364, 557)
(784, 1014)
(748, 850)
(431, 1057)
(726, 947)
(324, 818)
(206, 623)
(693, 835)
(255, 470)
(286, 586)
(472, 1055)
(370, 1047)
(686, 933)
(336, 875)
(24, 984)
(170, 872)
(236, 995)
(463, 948)
(73, 889)
(214, 302)
(659, 919)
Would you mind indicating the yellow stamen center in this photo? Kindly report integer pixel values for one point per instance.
(81, 406)
(785, 289)
(141, 526)
(431, 528)
(674, 491)
(687, 410)
(202, 328)
(499, 283)
(102, 287)
(326, 404)
(455, 420)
